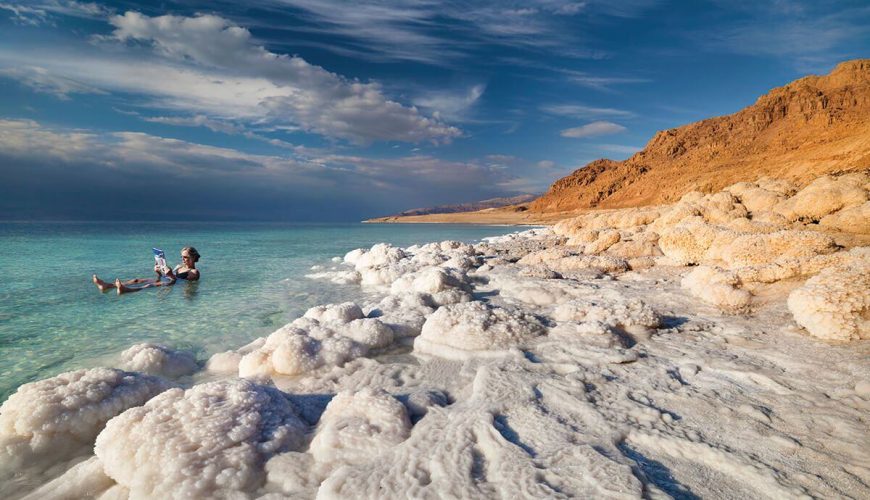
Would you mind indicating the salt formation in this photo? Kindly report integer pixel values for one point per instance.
(327, 335)
(59, 417)
(583, 360)
(718, 287)
(208, 441)
(158, 359)
(475, 329)
(359, 426)
(835, 304)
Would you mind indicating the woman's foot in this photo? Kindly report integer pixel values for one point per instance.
(102, 285)
(120, 286)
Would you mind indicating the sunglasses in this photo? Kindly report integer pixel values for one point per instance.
(185, 256)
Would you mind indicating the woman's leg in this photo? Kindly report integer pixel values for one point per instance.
(137, 284)
(102, 285)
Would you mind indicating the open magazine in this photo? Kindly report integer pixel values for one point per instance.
(160, 258)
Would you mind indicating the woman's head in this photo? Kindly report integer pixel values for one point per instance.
(190, 255)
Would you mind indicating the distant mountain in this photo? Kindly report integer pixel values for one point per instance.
(813, 126)
(470, 207)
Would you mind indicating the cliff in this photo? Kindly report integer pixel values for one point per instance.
(813, 126)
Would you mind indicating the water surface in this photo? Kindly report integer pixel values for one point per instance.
(53, 319)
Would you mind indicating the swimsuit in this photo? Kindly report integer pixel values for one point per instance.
(182, 276)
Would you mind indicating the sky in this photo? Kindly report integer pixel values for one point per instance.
(332, 110)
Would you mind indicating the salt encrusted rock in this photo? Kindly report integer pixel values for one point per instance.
(431, 280)
(835, 304)
(470, 329)
(606, 239)
(62, 415)
(626, 313)
(688, 242)
(718, 287)
(539, 272)
(208, 441)
(343, 313)
(327, 335)
(405, 313)
(359, 426)
(753, 249)
(850, 220)
(156, 359)
(228, 361)
(823, 196)
(564, 260)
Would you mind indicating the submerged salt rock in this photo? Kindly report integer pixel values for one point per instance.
(825, 195)
(718, 287)
(157, 359)
(475, 329)
(358, 426)
(208, 441)
(431, 280)
(835, 304)
(62, 415)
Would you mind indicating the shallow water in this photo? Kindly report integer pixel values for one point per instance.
(53, 319)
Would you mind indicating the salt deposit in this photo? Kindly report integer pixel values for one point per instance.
(56, 419)
(587, 360)
(158, 360)
(208, 441)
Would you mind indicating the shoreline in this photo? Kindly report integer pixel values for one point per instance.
(696, 336)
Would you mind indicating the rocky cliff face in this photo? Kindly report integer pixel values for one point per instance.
(812, 126)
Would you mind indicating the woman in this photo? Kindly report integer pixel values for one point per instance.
(185, 271)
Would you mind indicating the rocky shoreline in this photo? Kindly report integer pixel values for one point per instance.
(714, 347)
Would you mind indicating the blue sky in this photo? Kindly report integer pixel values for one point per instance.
(322, 110)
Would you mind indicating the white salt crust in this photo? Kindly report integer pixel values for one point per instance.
(157, 359)
(58, 418)
(208, 441)
(582, 360)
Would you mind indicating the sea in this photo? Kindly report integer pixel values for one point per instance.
(53, 318)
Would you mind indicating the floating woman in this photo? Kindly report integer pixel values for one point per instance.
(185, 271)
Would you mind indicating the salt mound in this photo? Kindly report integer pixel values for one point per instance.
(60, 416)
(342, 313)
(327, 335)
(626, 313)
(825, 195)
(851, 220)
(835, 304)
(358, 426)
(157, 359)
(564, 260)
(405, 313)
(208, 441)
(472, 329)
(718, 287)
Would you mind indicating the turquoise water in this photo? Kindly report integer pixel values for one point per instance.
(53, 319)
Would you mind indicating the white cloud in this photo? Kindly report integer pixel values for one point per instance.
(581, 111)
(593, 129)
(38, 12)
(546, 164)
(206, 65)
(453, 106)
(41, 80)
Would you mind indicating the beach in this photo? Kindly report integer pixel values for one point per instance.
(673, 351)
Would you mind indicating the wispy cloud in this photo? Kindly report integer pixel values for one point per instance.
(207, 65)
(619, 148)
(39, 12)
(810, 35)
(453, 106)
(41, 80)
(581, 111)
(409, 31)
(593, 129)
